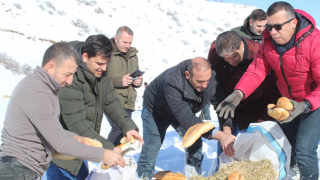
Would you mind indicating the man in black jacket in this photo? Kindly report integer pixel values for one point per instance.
(173, 98)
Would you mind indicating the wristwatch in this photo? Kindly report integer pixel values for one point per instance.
(306, 106)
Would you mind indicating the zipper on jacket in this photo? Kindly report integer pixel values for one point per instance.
(284, 77)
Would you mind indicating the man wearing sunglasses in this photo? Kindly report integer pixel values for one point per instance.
(253, 26)
(290, 47)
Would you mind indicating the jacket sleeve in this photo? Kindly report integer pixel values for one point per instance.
(115, 111)
(314, 96)
(218, 97)
(117, 82)
(72, 114)
(254, 75)
(137, 68)
(41, 113)
(181, 110)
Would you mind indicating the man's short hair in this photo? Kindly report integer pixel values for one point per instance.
(145, 83)
(198, 63)
(227, 42)
(258, 15)
(97, 45)
(123, 29)
(281, 5)
(59, 53)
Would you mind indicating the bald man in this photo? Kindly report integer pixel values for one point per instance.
(173, 98)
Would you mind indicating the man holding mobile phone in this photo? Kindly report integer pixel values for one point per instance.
(122, 67)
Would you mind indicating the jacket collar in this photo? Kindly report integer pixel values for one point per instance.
(244, 64)
(47, 79)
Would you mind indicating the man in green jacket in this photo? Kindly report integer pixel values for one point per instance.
(253, 26)
(124, 62)
(84, 101)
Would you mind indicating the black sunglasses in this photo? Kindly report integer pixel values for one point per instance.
(277, 27)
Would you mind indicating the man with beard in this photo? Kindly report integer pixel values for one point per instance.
(253, 26)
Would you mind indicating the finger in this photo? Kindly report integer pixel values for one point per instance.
(219, 107)
(226, 113)
(222, 111)
(232, 113)
(121, 162)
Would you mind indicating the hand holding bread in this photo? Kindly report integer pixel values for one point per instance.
(280, 111)
(125, 144)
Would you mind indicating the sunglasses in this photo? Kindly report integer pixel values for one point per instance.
(277, 27)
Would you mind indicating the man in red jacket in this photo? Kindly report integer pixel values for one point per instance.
(291, 47)
(230, 56)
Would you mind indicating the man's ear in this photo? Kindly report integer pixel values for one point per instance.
(241, 45)
(115, 39)
(250, 22)
(187, 74)
(294, 23)
(50, 67)
(85, 57)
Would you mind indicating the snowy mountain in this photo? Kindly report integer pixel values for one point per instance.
(166, 32)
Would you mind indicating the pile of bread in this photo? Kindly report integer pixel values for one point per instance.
(280, 111)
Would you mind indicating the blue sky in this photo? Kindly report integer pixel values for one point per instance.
(310, 6)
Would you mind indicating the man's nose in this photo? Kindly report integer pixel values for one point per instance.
(104, 67)
(205, 84)
(69, 80)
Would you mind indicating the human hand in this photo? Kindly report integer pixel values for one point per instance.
(82, 139)
(298, 108)
(136, 135)
(226, 140)
(229, 104)
(113, 158)
(118, 150)
(126, 80)
(138, 81)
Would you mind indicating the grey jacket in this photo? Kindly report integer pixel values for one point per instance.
(32, 129)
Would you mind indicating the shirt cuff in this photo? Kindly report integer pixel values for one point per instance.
(214, 131)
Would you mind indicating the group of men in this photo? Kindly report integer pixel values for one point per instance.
(62, 103)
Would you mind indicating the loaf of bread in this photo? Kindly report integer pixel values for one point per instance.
(195, 132)
(235, 176)
(123, 146)
(285, 103)
(92, 142)
(168, 175)
(280, 112)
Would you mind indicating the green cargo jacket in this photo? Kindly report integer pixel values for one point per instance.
(82, 105)
(245, 32)
(120, 65)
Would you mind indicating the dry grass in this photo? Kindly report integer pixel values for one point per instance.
(250, 170)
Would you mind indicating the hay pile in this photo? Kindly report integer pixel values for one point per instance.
(250, 170)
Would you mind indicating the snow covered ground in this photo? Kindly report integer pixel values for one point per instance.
(166, 32)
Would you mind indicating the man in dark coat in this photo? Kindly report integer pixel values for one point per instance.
(230, 56)
(173, 98)
(253, 26)
(84, 101)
